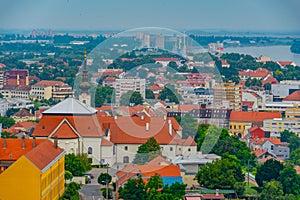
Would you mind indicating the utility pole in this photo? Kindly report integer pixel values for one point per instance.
(107, 181)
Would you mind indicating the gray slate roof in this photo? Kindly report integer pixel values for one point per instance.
(71, 106)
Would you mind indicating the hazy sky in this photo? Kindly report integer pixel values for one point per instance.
(237, 15)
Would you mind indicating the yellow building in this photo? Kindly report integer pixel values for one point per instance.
(228, 95)
(31, 169)
(292, 113)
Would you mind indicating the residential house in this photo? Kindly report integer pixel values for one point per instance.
(241, 121)
(31, 169)
(169, 173)
(283, 64)
(190, 164)
(272, 145)
(256, 132)
(259, 74)
(293, 98)
(23, 115)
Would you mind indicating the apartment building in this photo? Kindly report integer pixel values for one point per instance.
(125, 85)
(277, 125)
(228, 95)
(56, 90)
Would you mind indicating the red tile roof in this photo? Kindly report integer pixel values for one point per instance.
(147, 171)
(23, 113)
(64, 131)
(46, 83)
(121, 130)
(261, 141)
(158, 161)
(260, 152)
(258, 73)
(270, 157)
(187, 107)
(249, 104)
(212, 196)
(43, 154)
(166, 59)
(297, 168)
(253, 116)
(86, 126)
(156, 87)
(295, 96)
(105, 142)
(284, 63)
(14, 150)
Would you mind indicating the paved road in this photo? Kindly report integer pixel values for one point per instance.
(90, 192)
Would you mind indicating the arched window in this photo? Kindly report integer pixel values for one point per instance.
(125, 159)
(90, 150)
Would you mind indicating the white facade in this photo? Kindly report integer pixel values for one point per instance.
(125, 85)
(278, 125)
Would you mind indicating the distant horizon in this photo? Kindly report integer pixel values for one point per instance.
(259, 16)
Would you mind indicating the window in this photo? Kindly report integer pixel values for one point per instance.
(189, 149)
(125, 159)
(126, 148)
(272, 147)
(171, 148)
(90, 150)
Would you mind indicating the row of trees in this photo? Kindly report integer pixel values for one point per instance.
(137, 189)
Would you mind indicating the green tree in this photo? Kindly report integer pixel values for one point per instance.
(169, 92)
(68, 175)
(109, 191)
(6, 122)
(134, 189)
(130, 98)
(285, 135)
(104, 94)
(270, 170)
(290, 180)
(295, 156)
(294, 142)
(104, 178)
(189, 125)
(147, 151)
(154, 183)
(6, 134)
(74, 164)
(220, 174)
(149, 94)
(271, 190)
(71, 191)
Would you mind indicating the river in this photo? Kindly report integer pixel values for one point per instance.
(276, 53)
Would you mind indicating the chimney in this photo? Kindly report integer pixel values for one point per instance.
(165, 117)
(4, 142)
(34, 142)
(55, 142)
(169, 121)
(142, 117)
(116, 117)
(170, 128)
(23, 141)
(147, 126)
(217, 192)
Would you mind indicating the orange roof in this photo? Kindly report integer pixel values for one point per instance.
(105, 142)
(121, 129)
(253, 128)
(260, 72)
(157, 161)
(166, 59)
(82, 124)
(285, 63)
(270, 157)
(46, 83)
(260, 152)
(253, 116)
(43, 154)
(295, 96)
(64, 131)
(14, 150)
(156, 87)
(297, 168)
(187, 107)
(263, 140)
(147, 171)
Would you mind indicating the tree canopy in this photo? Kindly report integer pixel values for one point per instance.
(104, 178)
(77, 165)
(131, 98)
(169, 93)
(270, 170)
(104, 94)
(147, 151)
(220, 174)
